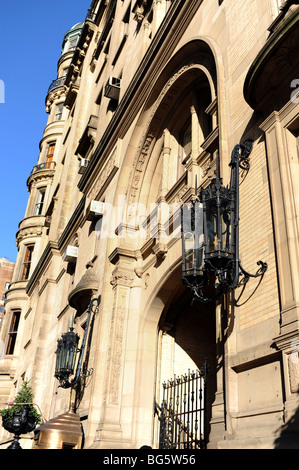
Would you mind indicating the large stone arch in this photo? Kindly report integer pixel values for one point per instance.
(197, 55)
(192, 69)
(192, 336)
(158, 281)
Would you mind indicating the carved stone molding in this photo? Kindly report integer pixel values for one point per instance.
(167, 97)
(117, 341)
(54, 96)
(122, 278)
(44, 175)
(33, 231)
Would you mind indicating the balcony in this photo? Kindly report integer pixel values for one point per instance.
(59, 82)
(43, 166)
(45, 170)
(91, 16)
(55, 85)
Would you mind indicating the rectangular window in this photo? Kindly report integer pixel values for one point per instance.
(73, 44)
(58, 112)
(12, 334)
(27, 262)
(50, 154)
(40, 201)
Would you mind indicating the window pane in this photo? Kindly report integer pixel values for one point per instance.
(27, 262)
(40, 202)
(50, 152)
(12, 335)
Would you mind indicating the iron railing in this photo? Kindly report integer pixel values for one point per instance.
(183, 412)
(43, 166)
(57, 83)
(91, 15)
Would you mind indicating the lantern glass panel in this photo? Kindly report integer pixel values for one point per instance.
(218, 228)
(212, 239)
(189, 250)
(225, 229)
(192, 239)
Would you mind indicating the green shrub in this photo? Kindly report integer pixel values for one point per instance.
(24, 395)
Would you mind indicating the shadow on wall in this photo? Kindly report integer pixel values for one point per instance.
(289, 434)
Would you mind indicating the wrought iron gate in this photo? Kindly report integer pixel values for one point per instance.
(182, 414)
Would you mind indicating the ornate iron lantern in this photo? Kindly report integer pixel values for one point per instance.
(210, 235)
(66, 353)
(67, 350)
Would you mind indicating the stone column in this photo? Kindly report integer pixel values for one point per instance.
(283, 177)
(283, 195)
(110, 433)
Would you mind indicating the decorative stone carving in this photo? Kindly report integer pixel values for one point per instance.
(118, 324)
(139, 14)
(121, 278)
(33, 231)
(160, 249)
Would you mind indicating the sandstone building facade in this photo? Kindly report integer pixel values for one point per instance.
(148, 95)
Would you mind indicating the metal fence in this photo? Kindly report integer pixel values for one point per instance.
(182, 414)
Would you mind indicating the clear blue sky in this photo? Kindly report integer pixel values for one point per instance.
(31, 35)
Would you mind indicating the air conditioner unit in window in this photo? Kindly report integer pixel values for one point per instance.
(95, 209)
(82, 165)
(70, 254)
(112, 88)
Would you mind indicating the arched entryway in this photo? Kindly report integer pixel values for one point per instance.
(175, 143)
(187, 344)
